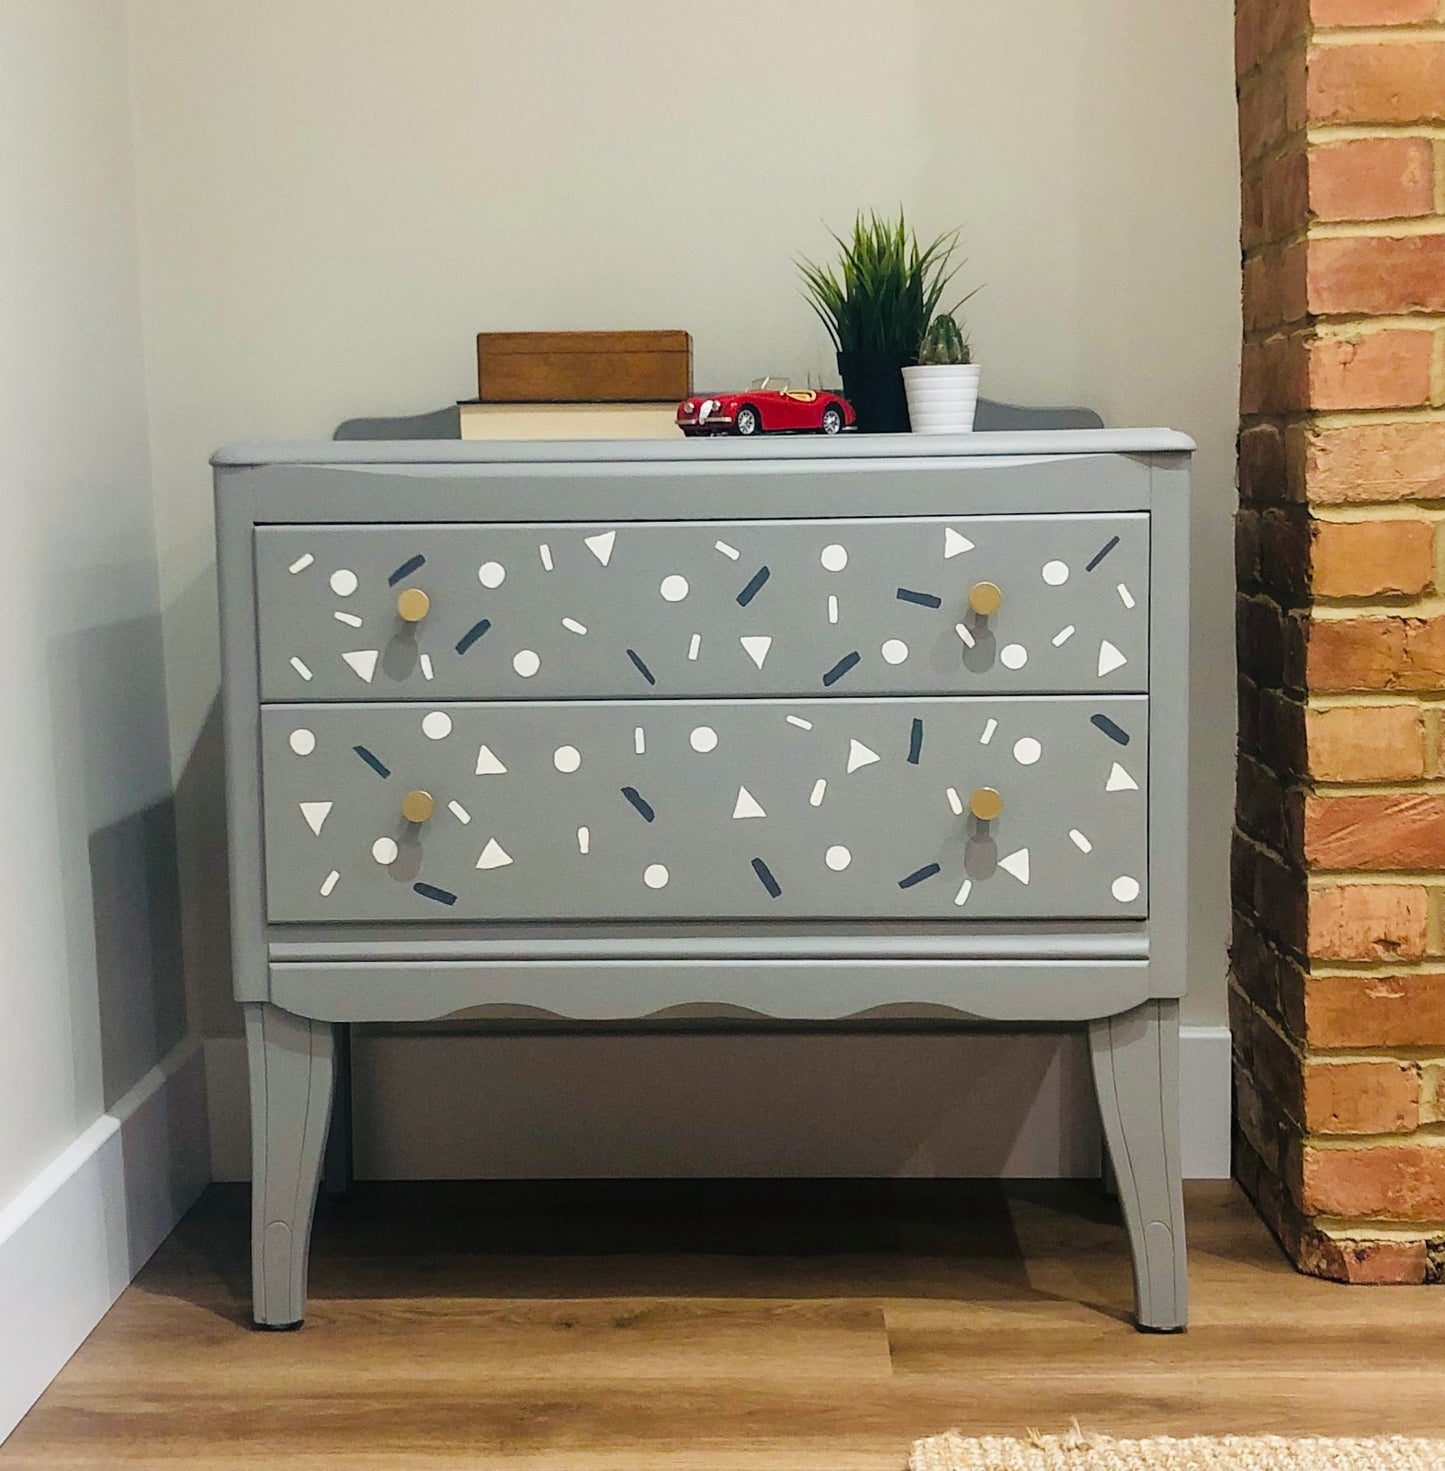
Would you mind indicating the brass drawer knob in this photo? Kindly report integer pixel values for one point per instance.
(418, 806)
(985, 804)
(413, 604)
(985, 598)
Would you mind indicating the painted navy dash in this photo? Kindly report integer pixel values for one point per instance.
(642, 668)
(765, 877)
(430, 891)
(841, 668)
(915, 742)
(473, 634)
(375, 762)
(640, 802)
(755, 583)
(918, 875)
(1114, 732)
(1103, 552)
(923, 599)
(405, 570)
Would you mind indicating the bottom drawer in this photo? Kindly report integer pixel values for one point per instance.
(748, 809)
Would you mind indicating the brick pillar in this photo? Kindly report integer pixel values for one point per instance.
(1337, 988)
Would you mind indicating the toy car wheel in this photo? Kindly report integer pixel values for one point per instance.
(692, 432)
(832, 419)
(748, 420)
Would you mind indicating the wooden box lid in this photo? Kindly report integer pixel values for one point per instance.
(583, 367)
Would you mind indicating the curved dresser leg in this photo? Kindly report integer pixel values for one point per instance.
(1136, 1071)
(290, 1060)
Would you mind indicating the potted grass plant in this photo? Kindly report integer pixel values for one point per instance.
(942, 386)
(877, 304)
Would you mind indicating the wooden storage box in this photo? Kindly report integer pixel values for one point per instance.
(583, 367)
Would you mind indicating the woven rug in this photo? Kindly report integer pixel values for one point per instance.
(1081, 1451)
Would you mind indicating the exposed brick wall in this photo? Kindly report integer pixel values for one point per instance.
(1337, 991)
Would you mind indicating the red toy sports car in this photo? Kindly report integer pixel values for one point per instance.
(766, 406)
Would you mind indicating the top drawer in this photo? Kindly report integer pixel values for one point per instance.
(697, 608)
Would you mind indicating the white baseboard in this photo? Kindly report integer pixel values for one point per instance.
(456, 1106)
(76, 1235)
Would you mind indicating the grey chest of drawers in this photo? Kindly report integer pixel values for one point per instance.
(811, 730)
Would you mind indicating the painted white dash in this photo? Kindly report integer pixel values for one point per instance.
(349, 619)
(545, 552)
(961, 629)
(639, 741)
(819, 787)
(988, 731)
(694, 644)
(1125, 596)
(727, 551)
(800, 722)
(300, 668)
(573, 626)
(426, 669)
(1063, 636)
(964, 890)
(1080, 841)
(832, 608)
(955, 801)
(459, 812)
(584, 840)
(300, 565)
(329, 882)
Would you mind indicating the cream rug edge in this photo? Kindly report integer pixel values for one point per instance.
(1082, 1451)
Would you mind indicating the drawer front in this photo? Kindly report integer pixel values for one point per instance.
(748, 809)
(694, 608)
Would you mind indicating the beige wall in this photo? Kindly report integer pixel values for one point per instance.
(89, 970)
(335, 195)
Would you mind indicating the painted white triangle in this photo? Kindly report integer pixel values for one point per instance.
(487, 763)
(315, 814)
(757, 645)
(860, 755)
(1017, 864)
(1110, 659)
(601, 545)
(494, 855)
(955, 542)
(1120, 781)
(363, 661)
(747, 805)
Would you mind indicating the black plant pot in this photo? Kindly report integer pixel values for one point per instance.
(873, 384)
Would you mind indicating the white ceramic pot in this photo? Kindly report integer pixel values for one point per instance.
(942, 397)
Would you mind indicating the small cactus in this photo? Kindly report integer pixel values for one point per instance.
(943, 343)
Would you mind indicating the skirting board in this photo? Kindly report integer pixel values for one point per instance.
(460, 1106)
(76, 1235)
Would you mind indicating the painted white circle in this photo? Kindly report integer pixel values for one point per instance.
(1027, 750)
(703, 739)
(384, 850)
(655, 876)
(674, 588)
(1013, 656)
(1125, 889)
(436, 725)
(303, 741)
(526, 663)
(837, 858)
(491, 574)
(343, 582)
(834, 557)
(566, 758)
(1056, 573)
(895, 651)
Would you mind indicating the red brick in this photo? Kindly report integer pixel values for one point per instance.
(1355, 653)
(1274, 376)
(1272, 107)
(1274, 287)
(1384, 369)
(1285, 550)
(1370, 12)
(1376, 82)
(1372, 179)
(1404, 1010)
(1384, 1182)
(1372, 1097)
(1368, 922)
(1370, 462)
(1263, 466)
(1366, 743)
(1377, 275)
(1377, 1263)
(1398, 830)
(1262, 27)
(1360, 559)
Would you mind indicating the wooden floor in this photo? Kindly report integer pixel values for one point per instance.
(712, 1327)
